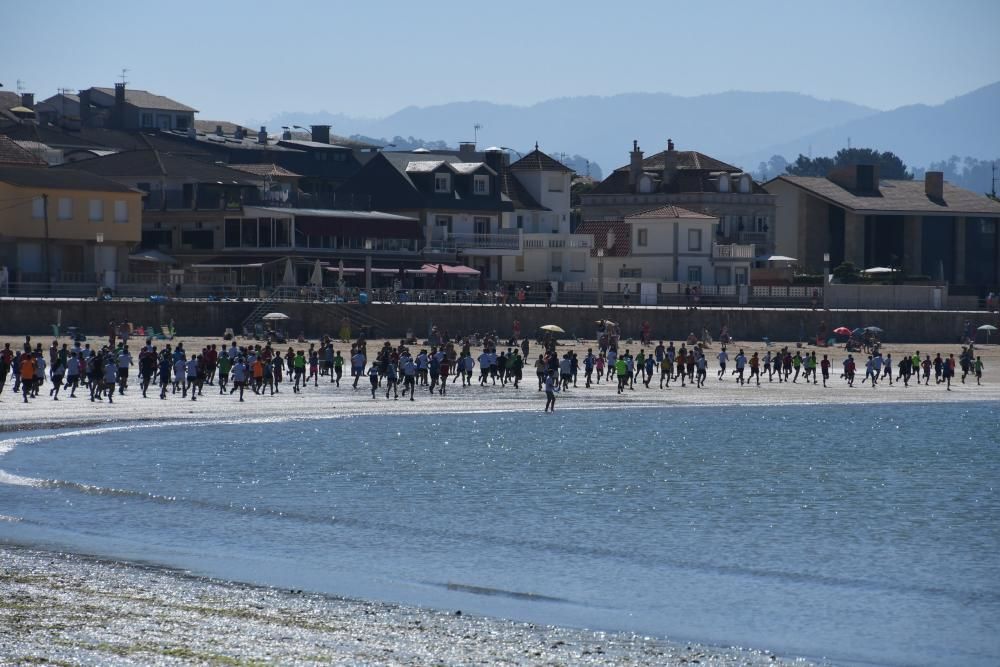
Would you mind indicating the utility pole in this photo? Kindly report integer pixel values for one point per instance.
(45, 215)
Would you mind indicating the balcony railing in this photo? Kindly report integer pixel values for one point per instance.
(507, 240)
(557, 242)
(732, 251)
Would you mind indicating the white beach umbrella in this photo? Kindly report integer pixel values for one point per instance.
(316, 279)
(289, 277)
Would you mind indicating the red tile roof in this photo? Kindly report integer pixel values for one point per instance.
(11, 153)
(668, 211)
(621, 232)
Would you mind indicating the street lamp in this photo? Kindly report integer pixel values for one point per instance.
(826, 267)
(600, 277)
(368, 266)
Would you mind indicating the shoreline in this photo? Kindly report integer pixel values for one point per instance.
(61, 608)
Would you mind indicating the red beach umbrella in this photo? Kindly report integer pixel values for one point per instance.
(842, 331)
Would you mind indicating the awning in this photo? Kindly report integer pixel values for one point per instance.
(255, 265)
(356, 269)
(152, 256)
(432, 269)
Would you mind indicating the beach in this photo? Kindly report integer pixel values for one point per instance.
(62, 608)
(325, 400)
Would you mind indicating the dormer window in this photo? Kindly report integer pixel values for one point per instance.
(442, 182)
(724, 183)
(481, 185)
(745, 183)
(645, 184)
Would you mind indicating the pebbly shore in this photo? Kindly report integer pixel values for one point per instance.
(61, 609)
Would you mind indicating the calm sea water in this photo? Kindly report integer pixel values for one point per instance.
(857, 534)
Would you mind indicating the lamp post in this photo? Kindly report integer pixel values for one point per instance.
(368, 266)
(600, 277)
(826, 268)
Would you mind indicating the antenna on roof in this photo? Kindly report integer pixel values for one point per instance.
(124, 71)
(475, 132)
(993, 183)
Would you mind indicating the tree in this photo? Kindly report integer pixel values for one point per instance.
(847, 272)
(890, 165)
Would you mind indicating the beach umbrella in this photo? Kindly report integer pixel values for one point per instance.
(607, 323)
(553, 328)
(842, 331)
(271, 317)
(988, 328)
(874, 330)
(780, 258)
(340, 276)
(289, 277)
(316, 279)
(857, 332)
(880, 269)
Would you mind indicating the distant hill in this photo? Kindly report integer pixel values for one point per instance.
(742, 128)
(602, 128)
(968, 125)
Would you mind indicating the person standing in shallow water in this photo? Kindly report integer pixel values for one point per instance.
(551, 387)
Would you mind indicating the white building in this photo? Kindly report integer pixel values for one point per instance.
(664, 245)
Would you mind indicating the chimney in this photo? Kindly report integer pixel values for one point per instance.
(85, 108)
(635, 164)
(118, 112)
(240, 133)
(28, 100)
(286, 134)
(262, 135)
(934, 184)
(495, 159)
(669, 162)
(466, 150)
(320, 133)
(218, 131)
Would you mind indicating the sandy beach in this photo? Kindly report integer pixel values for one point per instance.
(326, 400)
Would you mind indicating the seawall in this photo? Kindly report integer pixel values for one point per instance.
(193, 318)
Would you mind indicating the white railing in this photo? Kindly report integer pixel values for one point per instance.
(732, 251)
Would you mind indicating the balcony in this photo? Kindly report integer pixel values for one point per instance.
(504, 243)
(557, 241)
(733, 251)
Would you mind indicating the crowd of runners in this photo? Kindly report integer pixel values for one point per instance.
(171, 371)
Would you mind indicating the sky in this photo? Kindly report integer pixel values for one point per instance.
(243, 60)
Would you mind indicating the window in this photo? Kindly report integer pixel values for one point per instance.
(264, 232)
(65, 208)
(760, 223)
(157, 239)
(232, 232)
(645, 184)
(442, 182)
(443, 221)
(556, 182)
(121, 211)
(147, 120)
(249, 236)
(625, 272)
(741, 276)
(520, 222)
(578, 262)
(481, 225)
(556, 257)
(694, 274)
(198, 240)
(694, 240)
(38, 208)
(481, 184)
(96, 210)
(182, 122)
(745, 183)
(643, 239)
(281, 235)
(519, 263)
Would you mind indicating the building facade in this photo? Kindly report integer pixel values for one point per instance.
(745, 211)
(923, 228)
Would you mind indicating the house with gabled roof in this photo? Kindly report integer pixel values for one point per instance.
(695, 181)
(927, 228)
(132, 109)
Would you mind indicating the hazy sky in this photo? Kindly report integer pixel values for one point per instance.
(241, 60)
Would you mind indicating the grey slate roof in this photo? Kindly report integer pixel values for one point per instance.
(906, 197)
(536, 160)
(58, 178)
(132, 166)
(147, 100)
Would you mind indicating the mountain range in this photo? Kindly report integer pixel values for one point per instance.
(744, 128)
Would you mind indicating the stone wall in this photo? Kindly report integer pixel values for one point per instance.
(211, 319)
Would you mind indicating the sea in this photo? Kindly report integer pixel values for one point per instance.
(851, 534)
